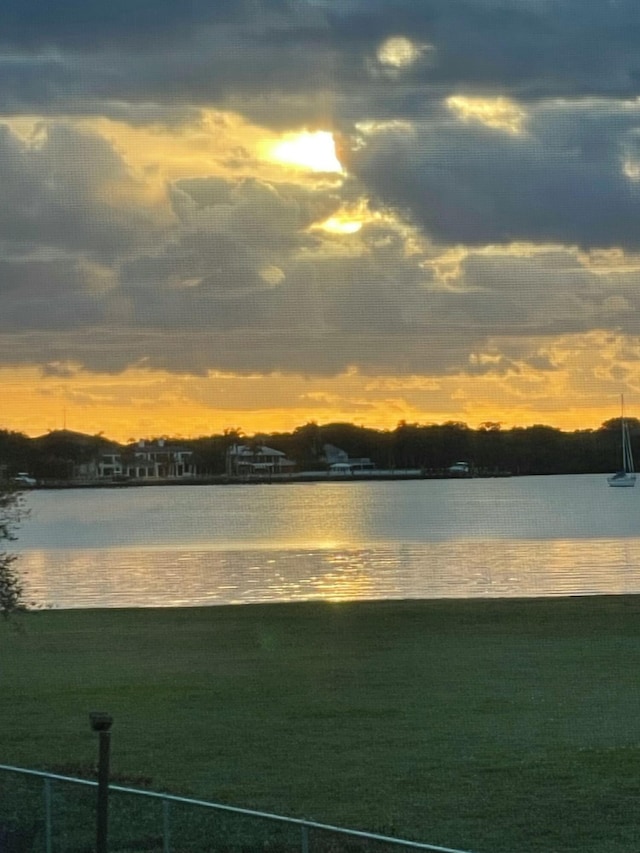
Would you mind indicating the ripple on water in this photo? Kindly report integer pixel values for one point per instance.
(498, 568)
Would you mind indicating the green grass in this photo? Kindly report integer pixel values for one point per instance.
(487, 725)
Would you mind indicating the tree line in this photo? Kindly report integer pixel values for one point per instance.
(489, 449)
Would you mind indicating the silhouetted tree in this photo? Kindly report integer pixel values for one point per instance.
(17, 452)
(12, 510)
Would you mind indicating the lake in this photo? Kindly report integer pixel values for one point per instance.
(195, 545)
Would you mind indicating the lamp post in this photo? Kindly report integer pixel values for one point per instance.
(101, 723)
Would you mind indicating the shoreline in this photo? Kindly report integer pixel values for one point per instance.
(273, 479)
(441, 603)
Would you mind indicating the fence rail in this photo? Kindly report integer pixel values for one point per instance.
(38, 813)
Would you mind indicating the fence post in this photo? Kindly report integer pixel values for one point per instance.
(101, 723)
(48, 820)
(165, 827)
(304, 838)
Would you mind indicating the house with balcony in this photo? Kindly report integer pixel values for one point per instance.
(109, 464)
(248, 460)
(157, 460)
(146, 460)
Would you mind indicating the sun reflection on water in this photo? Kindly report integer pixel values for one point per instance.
(333, 542)
(139, 578)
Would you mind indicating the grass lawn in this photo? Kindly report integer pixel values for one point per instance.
(492, 726)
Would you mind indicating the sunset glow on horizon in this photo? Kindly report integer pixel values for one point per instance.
(137, 404)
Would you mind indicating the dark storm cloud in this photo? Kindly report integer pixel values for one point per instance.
(315, 61)
(529, 48)
(85, 25)
(509, 295)
(55, 194)
(563, 180)
(51, 294)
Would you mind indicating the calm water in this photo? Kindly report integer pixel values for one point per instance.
(183, 545)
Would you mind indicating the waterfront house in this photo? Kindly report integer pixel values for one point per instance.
(157, 460)
(144, 460)
(109, 463)
(338, 461)
(245, 460)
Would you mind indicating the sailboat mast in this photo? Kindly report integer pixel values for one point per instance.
(626, 475)
(623, 434)
(627, 455)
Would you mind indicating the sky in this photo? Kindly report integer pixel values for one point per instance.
(253, 214)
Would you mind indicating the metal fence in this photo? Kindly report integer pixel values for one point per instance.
(52, 813)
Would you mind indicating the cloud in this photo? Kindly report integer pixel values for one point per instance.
(85, 26)
(290, 63)
(110, 286)
(561, 181)
(57, 191)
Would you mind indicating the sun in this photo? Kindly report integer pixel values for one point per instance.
(308, 150)
(341, 226)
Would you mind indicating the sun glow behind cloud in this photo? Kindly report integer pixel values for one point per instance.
(341, 226)
(351, 218)
(498, 113)
(315, 151)
(400, 52)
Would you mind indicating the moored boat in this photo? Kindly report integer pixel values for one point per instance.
(626, 476)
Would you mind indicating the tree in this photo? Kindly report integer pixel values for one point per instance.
(12, 511)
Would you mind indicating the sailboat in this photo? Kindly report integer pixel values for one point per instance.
(625, 476)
